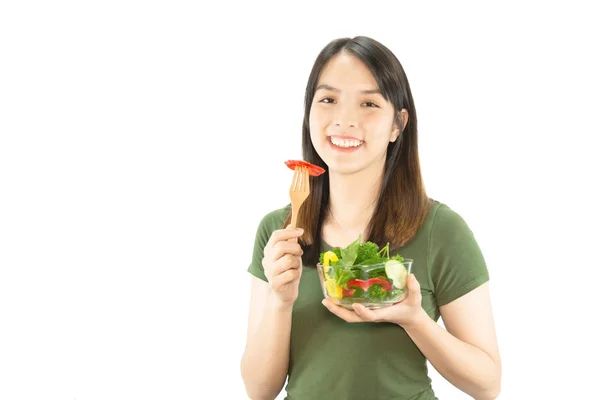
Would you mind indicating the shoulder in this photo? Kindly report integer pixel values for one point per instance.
(274, 219)
(448, 231)
(269, 222)
(450, 236)
(446, 220)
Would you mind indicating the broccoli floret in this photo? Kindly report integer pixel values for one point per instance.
(367, 251)
(376, 293)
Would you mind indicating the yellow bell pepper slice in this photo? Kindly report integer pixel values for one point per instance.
(328, 257)
(333, 290)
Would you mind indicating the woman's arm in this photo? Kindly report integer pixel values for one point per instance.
(265, 361)
(466, 352)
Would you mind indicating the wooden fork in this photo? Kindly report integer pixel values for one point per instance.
(299, 191)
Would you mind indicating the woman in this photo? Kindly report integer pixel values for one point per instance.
(360, 125)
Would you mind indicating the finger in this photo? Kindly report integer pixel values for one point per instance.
(365, 314)
(385, 314)
(346, 315)
(281, 248)
(282, 235)
(279, 281)
(413, 283)
(284, 263)
(414, 289)
(292, 240)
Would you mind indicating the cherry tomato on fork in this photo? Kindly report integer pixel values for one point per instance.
(313, 170)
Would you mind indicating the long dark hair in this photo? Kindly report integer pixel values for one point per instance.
(403, 203)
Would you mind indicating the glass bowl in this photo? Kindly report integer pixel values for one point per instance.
(374, 285)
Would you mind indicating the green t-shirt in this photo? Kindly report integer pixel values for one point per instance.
(333, 359)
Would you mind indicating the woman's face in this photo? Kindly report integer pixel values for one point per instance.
(351, 124)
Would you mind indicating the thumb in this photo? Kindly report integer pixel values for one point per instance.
(412, 282)
(414, 289)
(294, 239)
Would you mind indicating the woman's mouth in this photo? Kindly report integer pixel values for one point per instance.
(345, 143)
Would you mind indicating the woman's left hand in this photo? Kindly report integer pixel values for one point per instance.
(405, 313)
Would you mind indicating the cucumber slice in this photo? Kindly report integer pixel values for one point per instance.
(397, 273)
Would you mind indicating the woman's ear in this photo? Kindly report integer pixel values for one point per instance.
(396, 131)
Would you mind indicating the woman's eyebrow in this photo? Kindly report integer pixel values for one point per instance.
(332, 89)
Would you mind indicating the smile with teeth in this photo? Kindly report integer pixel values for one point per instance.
(346, 143)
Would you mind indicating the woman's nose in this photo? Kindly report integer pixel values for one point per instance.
(346, 117)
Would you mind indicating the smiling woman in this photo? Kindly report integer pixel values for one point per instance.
(360, 127)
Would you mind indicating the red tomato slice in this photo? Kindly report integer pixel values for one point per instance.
(313, 170)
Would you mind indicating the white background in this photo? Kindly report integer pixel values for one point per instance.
(130, 191)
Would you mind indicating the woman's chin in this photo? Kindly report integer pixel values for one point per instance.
(343, 168)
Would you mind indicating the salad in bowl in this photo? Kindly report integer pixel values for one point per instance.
(363, 273)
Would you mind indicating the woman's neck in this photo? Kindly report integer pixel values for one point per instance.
(353, 198)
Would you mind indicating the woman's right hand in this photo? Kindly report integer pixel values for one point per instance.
(282, 263)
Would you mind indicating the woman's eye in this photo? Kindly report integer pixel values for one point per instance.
(327, 100)
(370, 104)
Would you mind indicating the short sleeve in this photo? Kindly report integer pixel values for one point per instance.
(269, 223)
(455, 258)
